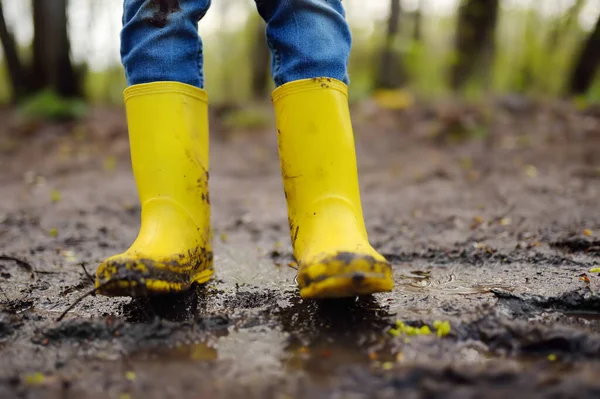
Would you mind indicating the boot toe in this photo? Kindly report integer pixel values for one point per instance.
(344, 274)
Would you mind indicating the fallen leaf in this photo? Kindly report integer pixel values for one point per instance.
(403, 329)
(505, 221)
(480, 245)
(424, 330)
(531, 171)
(595, 270)
(588, 232)
(34, 379)
(442, 328)
(202, 352)
(110, 163)
(69, 256)
(55, 195)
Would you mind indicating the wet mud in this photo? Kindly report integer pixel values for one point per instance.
(162, 9)
(495, 235)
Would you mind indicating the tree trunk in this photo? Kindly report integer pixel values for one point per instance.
(390, 74)
(474, 39)
(52, 67)
(17, 75)
(585, 68)
(260, 61)
(418, 27)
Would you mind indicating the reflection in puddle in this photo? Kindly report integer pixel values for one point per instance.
(324, 337)
(423, 281)
(322, 360)
(196, 352)
(590, 316)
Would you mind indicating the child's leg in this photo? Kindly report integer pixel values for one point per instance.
(160, 42)
(310, 44)
(167, 115)
(308, 39)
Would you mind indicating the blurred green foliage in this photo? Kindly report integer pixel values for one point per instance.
(47, 106)
(525, 62)
(106, 86)
(247, 118)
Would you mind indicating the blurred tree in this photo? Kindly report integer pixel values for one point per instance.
(18, 80)
(390, 74)
(586, 65)
(51, 67)
(418, 22)
(475, 40)
(260, 60)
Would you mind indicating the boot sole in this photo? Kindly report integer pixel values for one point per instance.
(163, 282)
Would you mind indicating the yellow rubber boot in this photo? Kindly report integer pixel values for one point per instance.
(318, 161)
(168, 134)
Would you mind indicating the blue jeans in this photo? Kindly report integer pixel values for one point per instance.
(307, 39)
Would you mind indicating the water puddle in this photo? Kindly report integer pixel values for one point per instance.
(326, 359)
(587, 315)
(194, 352)
(425, 281)
(324, 338)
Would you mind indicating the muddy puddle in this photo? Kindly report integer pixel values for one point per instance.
(499, 256)
(590, 316)
(446, 284)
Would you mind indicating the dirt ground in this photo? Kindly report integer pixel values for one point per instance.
(490, 214)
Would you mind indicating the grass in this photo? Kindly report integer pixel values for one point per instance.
(48, 106)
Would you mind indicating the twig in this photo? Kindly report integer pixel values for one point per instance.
(81, 298)
(20, 262)
(49, 272)
(86, 272)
